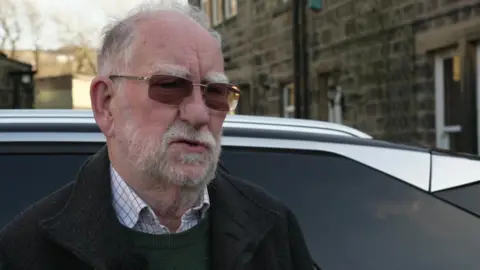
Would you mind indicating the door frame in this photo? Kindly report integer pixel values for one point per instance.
(442, 132)
(478, 96)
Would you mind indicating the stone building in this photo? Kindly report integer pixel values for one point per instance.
(62, 76)
(58, 62)
(408, 69)
(16, 84)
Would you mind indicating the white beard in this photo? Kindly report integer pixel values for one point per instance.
(151, 156)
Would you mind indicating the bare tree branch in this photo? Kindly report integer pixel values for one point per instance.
(9, 26)
(36, 24)
(15, 35)
(5, 33)
(77, 43)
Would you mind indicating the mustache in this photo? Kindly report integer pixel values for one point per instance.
(184, 131)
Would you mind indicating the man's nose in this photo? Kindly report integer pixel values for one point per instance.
(193, 109)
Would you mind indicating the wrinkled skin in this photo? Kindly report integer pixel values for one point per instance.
(139, 131)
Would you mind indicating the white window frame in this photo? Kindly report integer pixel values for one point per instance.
(216, 18)
(206, 9)
(442, 131)
(288, 109)
(202, 5)
(227, 7)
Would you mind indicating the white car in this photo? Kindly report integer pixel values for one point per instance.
(363, 204)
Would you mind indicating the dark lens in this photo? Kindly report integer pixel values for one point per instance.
(221, 96)
(169, 89)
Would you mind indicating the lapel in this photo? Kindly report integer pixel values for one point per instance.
(239, 223)
(88, 226)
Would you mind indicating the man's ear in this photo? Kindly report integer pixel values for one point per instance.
(101, 93)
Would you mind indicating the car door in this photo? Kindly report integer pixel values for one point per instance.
(33, 170)
(355, 216)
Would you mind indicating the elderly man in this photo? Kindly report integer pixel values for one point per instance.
(154, 198)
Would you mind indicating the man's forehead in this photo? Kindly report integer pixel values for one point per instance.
(178, 46)
(177, 70)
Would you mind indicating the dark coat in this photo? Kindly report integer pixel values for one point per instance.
(76, 228)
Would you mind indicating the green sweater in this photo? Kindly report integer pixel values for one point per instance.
(188, 250)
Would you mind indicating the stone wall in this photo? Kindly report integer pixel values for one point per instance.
(440, 25)
(258, 46)
(370, 47)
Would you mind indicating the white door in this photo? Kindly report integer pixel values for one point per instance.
(457, 100)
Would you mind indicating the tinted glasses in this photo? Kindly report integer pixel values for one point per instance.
(172, 90)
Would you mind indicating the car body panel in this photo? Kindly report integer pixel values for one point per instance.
(451, 171)
(62, 116)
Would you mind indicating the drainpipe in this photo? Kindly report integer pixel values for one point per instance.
(300, 59)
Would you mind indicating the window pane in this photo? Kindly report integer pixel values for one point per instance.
(28, 178)
(230, 8)
(220, 10)
(234, 7)
(355, 217)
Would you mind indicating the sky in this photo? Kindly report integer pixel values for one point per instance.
(81, 15)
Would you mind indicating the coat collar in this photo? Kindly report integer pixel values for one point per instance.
(239, 223)
(89, 228)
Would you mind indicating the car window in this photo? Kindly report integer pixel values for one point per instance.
(29, 177)
(355, 217)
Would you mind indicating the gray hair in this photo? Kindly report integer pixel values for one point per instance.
(118, 36)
